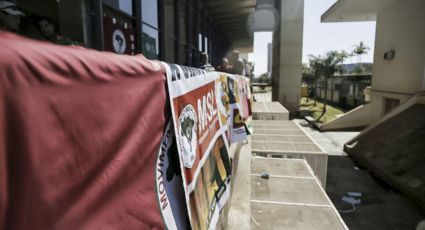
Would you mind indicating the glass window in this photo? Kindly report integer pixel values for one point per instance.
(150, 12)
(123, 5)
(150, 35)
(150, 39)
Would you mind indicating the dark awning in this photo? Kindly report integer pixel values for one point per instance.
(232, 17)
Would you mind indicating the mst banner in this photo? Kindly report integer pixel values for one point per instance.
(202, 143)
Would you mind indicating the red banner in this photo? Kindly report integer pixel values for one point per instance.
(80, 131)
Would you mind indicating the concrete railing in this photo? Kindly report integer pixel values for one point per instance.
(417, 98)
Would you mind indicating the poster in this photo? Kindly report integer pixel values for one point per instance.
(245, 102)
(237, 131)
(201, 141)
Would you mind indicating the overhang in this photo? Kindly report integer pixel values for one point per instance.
(231, 17)
(355, 10)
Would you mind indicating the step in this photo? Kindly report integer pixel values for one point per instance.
(269, 111)
(291, 198)
(286, 139)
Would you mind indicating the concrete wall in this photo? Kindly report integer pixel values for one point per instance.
(400, 27)
(357, 118)
(348, 95)
(287, 54)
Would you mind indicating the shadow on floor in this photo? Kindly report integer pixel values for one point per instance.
(381, 207)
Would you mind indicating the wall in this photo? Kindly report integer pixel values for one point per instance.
(348, 94)
(400, 27)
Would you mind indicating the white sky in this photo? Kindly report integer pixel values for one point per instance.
(318, 38)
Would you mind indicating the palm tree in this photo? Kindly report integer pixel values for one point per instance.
(329, 64)
(359, 50)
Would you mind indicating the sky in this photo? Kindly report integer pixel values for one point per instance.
(318, 38)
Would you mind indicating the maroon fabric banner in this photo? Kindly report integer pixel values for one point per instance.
(80, 131)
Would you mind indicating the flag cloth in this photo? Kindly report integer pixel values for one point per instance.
(80, 132)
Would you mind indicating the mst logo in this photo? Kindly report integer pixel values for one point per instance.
(187, 138)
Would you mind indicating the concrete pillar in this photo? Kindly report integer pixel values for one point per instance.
(287, 54)
(423, 80)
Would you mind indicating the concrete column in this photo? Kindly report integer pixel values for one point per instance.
(287, 54)
(423, 80)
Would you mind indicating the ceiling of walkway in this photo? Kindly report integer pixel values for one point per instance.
(232, 17)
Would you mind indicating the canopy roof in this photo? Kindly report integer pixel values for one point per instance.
(355, 10)
(232, 17)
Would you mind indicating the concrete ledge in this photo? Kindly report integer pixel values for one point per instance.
(351, 121)
(290, 198)
(269, 111)
(309, 119)
(312, 122)
(239, 203)
(417, 98)
(286, 139)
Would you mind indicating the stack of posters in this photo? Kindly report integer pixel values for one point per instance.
(210, 111)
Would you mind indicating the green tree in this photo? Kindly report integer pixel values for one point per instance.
(315, 63)
(265, 79)
(328, 65)
(344, 54)
(307, 75)
(359, 50)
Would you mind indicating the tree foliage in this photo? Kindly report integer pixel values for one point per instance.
(264, 78)
(326, 66)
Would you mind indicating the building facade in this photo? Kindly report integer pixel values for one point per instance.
(175, 31)
(398, 74)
